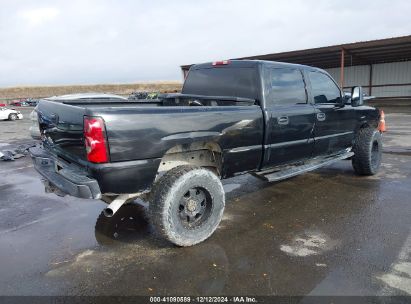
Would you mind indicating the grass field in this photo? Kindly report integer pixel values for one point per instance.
(120, 89)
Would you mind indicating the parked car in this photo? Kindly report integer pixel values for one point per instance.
(32, 102)
(2, 104)
(138, 95)
(273, 120)
(19, 104)
(10, 114)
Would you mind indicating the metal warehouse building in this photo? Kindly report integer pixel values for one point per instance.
(382, 67)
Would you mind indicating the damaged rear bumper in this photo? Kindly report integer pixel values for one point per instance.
(62, 177)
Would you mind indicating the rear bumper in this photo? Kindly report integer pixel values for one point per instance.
(88, 180)
(66, 177)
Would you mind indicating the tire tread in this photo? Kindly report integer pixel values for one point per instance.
(361, 161)
(160, 216)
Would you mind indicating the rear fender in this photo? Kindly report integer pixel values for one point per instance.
(202, 154)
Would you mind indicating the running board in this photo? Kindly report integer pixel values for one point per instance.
(273, 175)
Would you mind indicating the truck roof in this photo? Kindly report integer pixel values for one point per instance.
(252, 63)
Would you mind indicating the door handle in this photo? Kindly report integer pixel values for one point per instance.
(321, 116)
(283, 120)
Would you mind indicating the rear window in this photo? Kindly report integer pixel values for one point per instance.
(222, 81)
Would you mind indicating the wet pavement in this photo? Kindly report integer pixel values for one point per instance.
(15, 130)
(327, 232)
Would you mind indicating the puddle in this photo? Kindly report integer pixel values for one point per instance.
(388, 171)
(156, 268)
(107, 260)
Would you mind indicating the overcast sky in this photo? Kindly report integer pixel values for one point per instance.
(103, 41)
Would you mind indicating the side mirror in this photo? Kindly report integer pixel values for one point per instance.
(357, 97)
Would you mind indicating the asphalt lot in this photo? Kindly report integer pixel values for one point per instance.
(16, 130)
(327, 232)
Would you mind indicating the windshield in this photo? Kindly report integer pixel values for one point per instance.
(222, 81)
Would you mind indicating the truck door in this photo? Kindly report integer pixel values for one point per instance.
(290, 117)
(334, 125)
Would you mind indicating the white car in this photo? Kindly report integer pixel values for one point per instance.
(10, 114)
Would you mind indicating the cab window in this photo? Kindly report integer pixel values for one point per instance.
(287, 87)
(324, 88)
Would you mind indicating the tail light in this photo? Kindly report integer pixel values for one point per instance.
(381, 124)
(95, 139)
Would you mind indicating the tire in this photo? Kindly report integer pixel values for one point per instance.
(12, 117)
(367, 152)
(187, 205)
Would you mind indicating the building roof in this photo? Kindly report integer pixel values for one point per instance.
(357, 53)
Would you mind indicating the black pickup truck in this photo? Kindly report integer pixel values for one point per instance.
(273, 120)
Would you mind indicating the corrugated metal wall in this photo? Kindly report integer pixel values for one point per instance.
(355, 75)
(386, 78)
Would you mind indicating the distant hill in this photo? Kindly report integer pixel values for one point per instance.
(120, 89)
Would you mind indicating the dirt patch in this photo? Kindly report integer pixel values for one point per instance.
(120, 89)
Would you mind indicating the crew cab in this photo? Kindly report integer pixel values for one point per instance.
(273, 120)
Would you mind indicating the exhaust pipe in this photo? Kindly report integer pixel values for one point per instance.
(113, 207)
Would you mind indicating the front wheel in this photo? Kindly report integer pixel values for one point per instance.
(12, 117)
(187, 205)
(367, 152)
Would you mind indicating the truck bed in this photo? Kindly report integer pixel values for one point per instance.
(146, 130)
